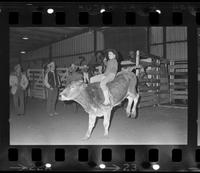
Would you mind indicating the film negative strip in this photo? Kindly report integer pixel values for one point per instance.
(100, 86)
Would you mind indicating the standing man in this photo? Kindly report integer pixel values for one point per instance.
(132, 56)
(52, 82)
(18, 82)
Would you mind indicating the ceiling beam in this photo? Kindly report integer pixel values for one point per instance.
(33, 35)
(33, 32)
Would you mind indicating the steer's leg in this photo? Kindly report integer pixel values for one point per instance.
(128, 108)
(92, 120)
(106, 122)
(134, 109)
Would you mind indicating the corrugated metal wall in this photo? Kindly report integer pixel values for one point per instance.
(157, 50)
(176, 33)
(13, 60)
(125, 39)
(12, 63)
(177, 48)
(36, 54)
(176, 51)
(175, 45)
(156, 35)
(75, 45)
(65, 52)
(100, 41)
(176, 42)
(66, 61)
(156, 40)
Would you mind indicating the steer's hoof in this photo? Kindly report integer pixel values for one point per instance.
(128, 115)
(85, 138)
(106, 134)
(133, 115)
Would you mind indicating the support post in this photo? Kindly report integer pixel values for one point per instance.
(137, 61)
(50, 53)
(95, 39)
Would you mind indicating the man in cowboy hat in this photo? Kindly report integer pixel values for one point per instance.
(18, 83)
(52, 83)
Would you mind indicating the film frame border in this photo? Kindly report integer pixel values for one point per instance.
(119, 20)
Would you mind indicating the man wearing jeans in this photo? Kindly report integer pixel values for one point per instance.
(52, 82)
(19, 83)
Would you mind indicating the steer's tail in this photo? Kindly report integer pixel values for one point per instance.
(129, 75)
(133, 81)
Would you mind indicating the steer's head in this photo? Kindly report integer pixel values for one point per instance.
(71, 91)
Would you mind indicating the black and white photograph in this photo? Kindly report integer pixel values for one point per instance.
(98, 85)
(198, 120)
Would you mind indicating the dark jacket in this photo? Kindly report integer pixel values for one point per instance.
(52, 83)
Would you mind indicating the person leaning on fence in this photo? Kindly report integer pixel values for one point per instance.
(100, 59)
(52, 83)
(84, 70)
(18, 82)
(74, 75)
(108, 75)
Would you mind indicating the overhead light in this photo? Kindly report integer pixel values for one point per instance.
(158, 11)
(50, 11)
(23, 52)
(102, 166)
(48, 165)
(156, 166)
(25, 38)
(102, 10)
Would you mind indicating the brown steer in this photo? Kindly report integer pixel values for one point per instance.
(90, 97)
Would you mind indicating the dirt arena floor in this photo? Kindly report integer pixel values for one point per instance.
(154, 125)
(198, 141)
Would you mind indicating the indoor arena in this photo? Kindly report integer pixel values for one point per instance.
(156, 55)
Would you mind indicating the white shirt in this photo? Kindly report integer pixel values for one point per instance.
(14, 83)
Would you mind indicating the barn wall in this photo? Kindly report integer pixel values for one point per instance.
(69, 50)
(12, 63)
(36, 54)
(176, 33)
(76, 45)
(175, 45)
(126, 39)
(176, 51)
(74, 59)
(176, 38)
(156, 35)
(156, 47)
(156, 41)
(157, 50)
(199, 53)
(100, 41)
(65, 52)
(176, 42)
(198, 48)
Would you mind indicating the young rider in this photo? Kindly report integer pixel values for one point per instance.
(108, 75)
